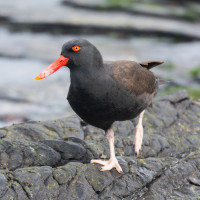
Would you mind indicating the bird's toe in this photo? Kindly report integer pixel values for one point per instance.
(113, 163)
(101, 162)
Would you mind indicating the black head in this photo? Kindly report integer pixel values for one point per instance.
(77, 55)
(81, 54)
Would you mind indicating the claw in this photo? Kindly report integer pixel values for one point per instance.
(108, 165)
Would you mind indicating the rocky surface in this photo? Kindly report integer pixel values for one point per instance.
(50, 160)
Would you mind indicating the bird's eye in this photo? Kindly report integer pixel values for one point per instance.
(76, 48)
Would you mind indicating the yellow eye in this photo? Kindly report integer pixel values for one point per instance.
(76, 48)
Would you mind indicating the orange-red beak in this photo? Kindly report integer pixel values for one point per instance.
(53, 67)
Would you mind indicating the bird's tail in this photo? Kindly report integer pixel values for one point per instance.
(150, 64)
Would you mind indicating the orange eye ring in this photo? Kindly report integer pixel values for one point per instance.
(76, 48)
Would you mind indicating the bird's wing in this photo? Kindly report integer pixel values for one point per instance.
(133, 77)
(150, 64)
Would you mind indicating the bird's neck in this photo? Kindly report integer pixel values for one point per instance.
(84, 76)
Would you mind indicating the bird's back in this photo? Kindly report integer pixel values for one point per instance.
(132, 77)
(136, 83)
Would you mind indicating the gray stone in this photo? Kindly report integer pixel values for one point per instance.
(69, 150)
(20, 193)
(67, 127)
(2, 133)
(3, 185)
(64, 174)
(18, 154)
(176, 97)
(92, 133)
(34, 131)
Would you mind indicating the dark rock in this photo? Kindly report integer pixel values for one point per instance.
(99, 181)
(174, 182)
(10, 194)
(20, 193)
(167, 168)
(168, 114)
(3, 185)
(176, 97)
(123, 129)
(195, 180)
(92, 133)
(98, 149)
(2, 133)
(65, 128)
(38, 183)
(18, 154)
(123, 163)
(64, 174)
(37, 131)
(70, 151)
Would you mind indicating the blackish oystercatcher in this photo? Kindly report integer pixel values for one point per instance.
(104, 92)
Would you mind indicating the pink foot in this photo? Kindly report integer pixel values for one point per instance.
(108, 165)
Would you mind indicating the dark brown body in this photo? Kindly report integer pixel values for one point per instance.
(116, 91)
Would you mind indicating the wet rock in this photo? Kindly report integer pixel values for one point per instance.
(55, 165)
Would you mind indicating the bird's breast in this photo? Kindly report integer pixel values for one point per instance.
(101, 100)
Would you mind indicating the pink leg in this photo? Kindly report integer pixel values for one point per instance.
(112, 162)
(139, 134)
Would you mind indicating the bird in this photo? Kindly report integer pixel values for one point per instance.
(102, 92)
